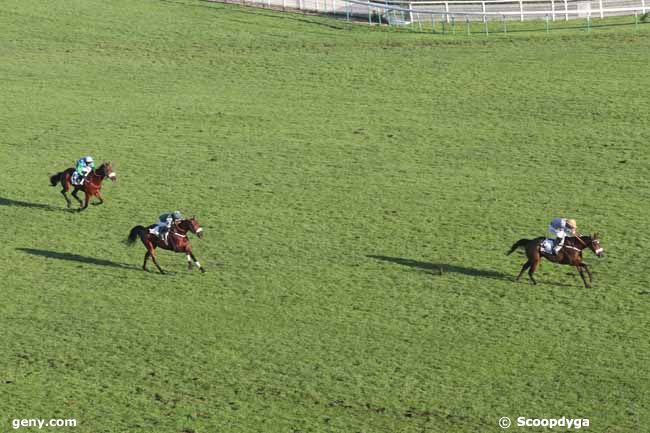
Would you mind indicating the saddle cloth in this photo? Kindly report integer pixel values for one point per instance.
(76, 179)
(547, 246)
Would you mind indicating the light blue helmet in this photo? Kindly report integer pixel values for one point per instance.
(177, 215)
(89, 160)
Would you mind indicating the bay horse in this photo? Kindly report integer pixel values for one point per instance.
(177, 241)
(570, 254)
(91, 186)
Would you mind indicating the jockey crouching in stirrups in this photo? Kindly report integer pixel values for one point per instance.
(82, 169)
(562, 228)
(165, 223)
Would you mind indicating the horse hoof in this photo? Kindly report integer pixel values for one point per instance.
(202, 270)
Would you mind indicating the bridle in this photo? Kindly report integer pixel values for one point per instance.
(105, 172)
(598, 250)
(590, 244)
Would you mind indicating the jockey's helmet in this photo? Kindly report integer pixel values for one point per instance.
(177, 215)
(89, 160)
(571, 223)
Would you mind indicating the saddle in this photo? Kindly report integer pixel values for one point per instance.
(155, 230)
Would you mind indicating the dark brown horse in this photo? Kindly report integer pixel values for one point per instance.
(570, 254)
(177, 241)
(91, 186)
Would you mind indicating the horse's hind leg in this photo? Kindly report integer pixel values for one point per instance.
(155, 262)
(74, 194)
(65, 196)
(533, 269)
(146, 257)
(523, 269)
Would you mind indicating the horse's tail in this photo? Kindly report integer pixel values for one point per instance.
(137, 231)
(56, 178)
(519, 243)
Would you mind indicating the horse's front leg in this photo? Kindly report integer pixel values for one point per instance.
(579, 266)
(198, 265)
(101, 200)
(85, 202)
(586, 268)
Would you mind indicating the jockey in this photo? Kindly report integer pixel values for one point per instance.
(165, 222)
(562, 228)
(84, 166)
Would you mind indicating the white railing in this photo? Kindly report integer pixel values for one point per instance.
(518, 9)
(521, 10)
(482, 10)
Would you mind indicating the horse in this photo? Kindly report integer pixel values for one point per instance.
(570, 254)
(91, 186)
(177, 241)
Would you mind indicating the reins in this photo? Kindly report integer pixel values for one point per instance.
(184, 234)
(581, 241)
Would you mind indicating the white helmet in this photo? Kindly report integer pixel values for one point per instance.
(89, 159)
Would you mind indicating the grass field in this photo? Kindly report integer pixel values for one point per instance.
(358, 188)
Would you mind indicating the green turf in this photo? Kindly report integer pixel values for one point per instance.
(358, 188)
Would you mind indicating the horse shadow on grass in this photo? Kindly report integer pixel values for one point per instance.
(10, 202)
(441, 268)
(77, 258)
